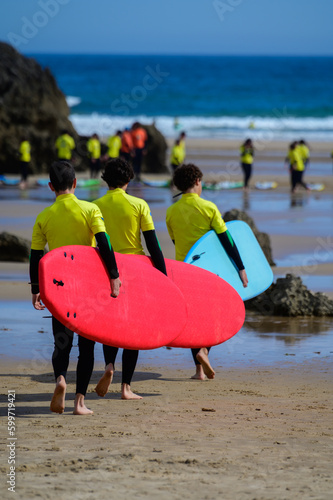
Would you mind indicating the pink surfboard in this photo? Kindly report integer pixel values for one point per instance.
(149, 312)
(216, 311)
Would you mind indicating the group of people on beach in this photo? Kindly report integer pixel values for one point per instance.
(129, 144)
(119, 218)
(297, 159)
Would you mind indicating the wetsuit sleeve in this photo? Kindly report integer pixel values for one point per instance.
(35, 256)
(107, 254)
(230, 247)
(155, 251)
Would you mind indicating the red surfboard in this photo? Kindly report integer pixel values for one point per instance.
(216, 311)
(149, 312)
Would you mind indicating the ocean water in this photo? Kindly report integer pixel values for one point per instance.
(208, 96)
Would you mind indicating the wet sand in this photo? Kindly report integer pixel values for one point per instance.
(254, 432)
(248, 434)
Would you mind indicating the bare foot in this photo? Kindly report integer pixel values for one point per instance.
(199, 374)
(126, 393)
(103, 385)
(79, 406)
(202, 357)
(58, 400)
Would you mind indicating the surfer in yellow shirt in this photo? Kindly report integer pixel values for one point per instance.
(125, 218)
(65, 145)
(69, 221)
(296, 167)
(187, 221)
(114, 145)
(25, 159)
(304, 151)
(177, 155)
(94, 153)
(247, 154)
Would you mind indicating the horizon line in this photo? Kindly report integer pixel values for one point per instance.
(171, 54)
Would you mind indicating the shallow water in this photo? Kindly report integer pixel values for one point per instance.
(24, 333)
(27, 334)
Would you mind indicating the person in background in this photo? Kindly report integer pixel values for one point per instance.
(25, 159)
(114, 145)
(139, 138)
(94, 153)
(125, 218)
(127, 148)
(65, 145)
(187, 221)
(296, 167)
(304, 151)
(69, 221)
(246, 156)
(177, 156)
(182, 139)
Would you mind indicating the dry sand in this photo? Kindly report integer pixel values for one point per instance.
(255, 433)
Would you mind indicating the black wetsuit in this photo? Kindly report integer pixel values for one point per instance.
(130, 357)
(230, 247)
(63, 337)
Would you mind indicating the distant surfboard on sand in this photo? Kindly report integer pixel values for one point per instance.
(265, 185)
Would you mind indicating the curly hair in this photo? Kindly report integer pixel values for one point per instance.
(185, 176)
(117, 172)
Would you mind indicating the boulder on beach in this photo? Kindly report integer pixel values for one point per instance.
(290, 297)
(13, 248)
(263, 238)
(32, 107)
(154, 161)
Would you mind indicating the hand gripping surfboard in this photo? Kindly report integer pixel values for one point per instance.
(208, 253)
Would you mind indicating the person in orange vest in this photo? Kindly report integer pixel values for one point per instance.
(139, 137)
(127, 148)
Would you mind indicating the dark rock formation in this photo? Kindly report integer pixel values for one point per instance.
(262, 238)
(32, 106)
(14, 249)
(289, 297)
(155, 159)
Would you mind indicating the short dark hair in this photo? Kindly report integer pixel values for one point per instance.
(185, 176)
(117, 172)
(62, 175)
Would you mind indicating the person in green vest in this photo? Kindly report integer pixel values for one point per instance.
(187, 221)
(94, 153)
(246, 155)
(304, 151)
(126, 218)
(114, 145)
(25, 159)
(177, 156)
(65, 145)
(296, 167)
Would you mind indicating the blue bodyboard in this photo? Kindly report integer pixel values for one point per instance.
(209, 254)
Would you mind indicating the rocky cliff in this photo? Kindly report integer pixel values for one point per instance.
(31, 106)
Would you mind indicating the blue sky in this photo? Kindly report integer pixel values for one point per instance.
(246, 27)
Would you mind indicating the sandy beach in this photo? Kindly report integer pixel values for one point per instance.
(260, 431)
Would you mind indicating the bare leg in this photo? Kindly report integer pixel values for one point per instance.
(126, 392)
(79, 406)
(103, 385)
(202, 357)
(199, 373)
(58, 400)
